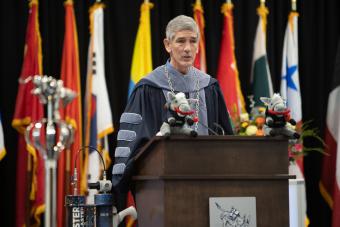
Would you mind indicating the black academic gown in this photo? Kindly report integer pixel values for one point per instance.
(147, 102)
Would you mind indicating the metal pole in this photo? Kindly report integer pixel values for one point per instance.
(50, 193)
(50, 168)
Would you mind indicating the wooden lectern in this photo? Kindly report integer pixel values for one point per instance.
(176, 176)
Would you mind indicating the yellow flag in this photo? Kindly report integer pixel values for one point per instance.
(142, 54)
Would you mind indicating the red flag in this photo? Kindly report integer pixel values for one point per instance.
(227, 73)
(70, 74)
(330, 176)
(200, 61)
(30, 166)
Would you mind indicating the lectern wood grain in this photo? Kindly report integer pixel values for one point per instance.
(175, 178)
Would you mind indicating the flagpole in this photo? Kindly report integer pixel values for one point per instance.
(294, 5)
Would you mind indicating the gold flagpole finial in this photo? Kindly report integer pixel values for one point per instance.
(263, 2)
(294, 5)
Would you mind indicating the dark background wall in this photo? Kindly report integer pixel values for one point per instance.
(319, 26)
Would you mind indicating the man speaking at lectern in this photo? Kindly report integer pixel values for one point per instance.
(145, 112)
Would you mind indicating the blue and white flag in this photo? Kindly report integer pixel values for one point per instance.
(290, 85)
(290, 90)
(2, 142)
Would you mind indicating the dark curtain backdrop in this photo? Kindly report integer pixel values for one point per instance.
(318, 35)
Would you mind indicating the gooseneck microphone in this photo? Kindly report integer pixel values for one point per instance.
(213, 131)
(98, 214)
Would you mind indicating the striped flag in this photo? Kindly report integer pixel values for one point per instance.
(227, 73)
(141, 65)
(2, 142)
(142, 53)
(28, 109)
(260, 77)
(330, 175)
(200, 60)
(70, 74)
(98, 120)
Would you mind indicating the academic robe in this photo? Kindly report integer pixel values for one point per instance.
(145, 113)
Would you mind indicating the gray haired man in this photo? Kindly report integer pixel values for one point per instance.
(144, 113)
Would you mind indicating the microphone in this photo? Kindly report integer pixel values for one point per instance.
(213, 131)
(220, 127)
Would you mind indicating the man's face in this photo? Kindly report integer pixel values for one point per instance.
(182, 49)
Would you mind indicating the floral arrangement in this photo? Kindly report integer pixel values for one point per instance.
(252, 124)
(298, 149)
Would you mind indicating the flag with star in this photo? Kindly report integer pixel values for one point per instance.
(290, 85)
(290, 90)
(260, 77)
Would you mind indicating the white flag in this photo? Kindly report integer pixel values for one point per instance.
(98, 119)
(290, 85)
(290, 90)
